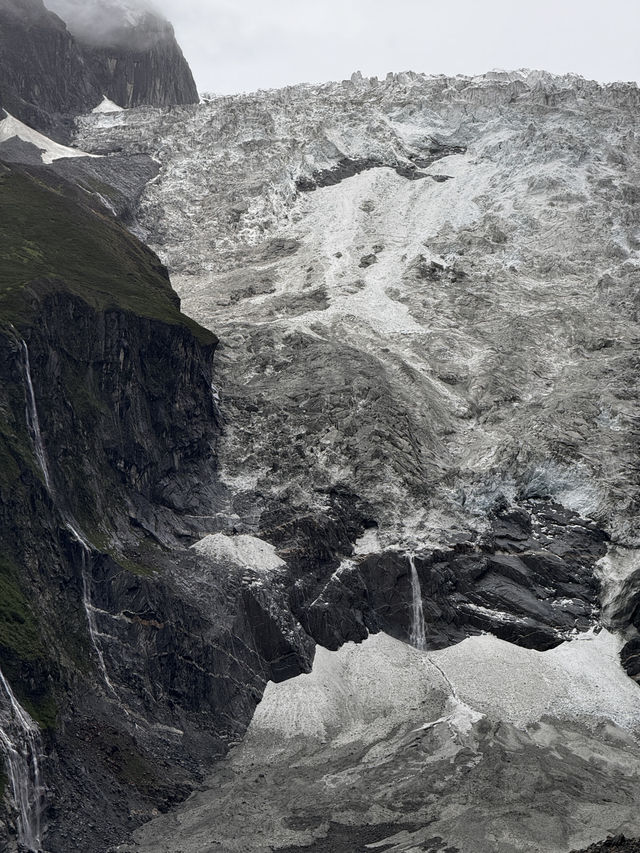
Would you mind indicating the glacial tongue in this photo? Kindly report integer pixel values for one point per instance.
(425, 290)
(481, 748)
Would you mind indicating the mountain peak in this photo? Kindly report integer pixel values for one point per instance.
(63, 60)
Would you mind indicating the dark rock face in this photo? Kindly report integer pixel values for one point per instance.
(630, 658)
(409, 167)
(530, 582)
(613, 844)
(181, 647)
(48, 74)
(151, 69)
(347, 168)
(42, 71)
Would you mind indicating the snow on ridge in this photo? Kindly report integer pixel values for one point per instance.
(11, 128)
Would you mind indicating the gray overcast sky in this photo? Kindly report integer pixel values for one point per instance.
(242, 45)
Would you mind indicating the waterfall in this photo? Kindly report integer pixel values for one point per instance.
(20, 738)
(33, 420)
(34, 426)
(90, 610)
(417, 635)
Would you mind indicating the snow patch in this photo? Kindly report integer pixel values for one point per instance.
(359, 689)
(11, 127)
(107, 106)
(242, 550)
(368, 543)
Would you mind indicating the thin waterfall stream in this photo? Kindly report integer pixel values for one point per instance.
(22, 744)
(33, 421)
(90, 610)
(417, 634)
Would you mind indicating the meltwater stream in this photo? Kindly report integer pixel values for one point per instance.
(90, 610)
(21, 742)
(33, 421)
(417, 634)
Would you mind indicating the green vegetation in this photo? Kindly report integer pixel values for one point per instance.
(18, 629)
(50, 233)
(42, 709)
(21, 643)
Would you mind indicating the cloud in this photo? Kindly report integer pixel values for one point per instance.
(240, 45)
(110, 22)
(235, 45)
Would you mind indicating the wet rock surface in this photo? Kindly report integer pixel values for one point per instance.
(530, 581)
(613, 844)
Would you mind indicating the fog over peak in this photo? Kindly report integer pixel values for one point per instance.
(101, 22)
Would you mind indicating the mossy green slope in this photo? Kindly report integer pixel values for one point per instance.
(51, 230)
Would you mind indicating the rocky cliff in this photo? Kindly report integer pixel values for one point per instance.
(135, 655)
(48, 73)
(420, 430)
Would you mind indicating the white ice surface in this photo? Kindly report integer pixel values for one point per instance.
(11, 127)
(242, 550)
(107, 106)
(579, 679)
(338, 220)
(380, 682)
(384, 682)
(368, 543)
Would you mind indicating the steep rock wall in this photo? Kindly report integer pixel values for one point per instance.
(137, 656)
(49, 74)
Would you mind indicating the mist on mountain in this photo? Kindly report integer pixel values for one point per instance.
(114, 23)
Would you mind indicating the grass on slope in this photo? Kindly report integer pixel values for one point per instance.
(50, 230)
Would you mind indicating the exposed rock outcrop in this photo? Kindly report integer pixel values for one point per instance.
(614, 844)
(529, 581)
(42, 72)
